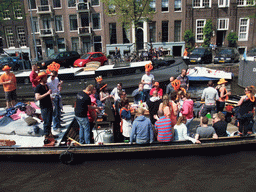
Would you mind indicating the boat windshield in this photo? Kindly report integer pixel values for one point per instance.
(225, 51)
(198, 51)
(86, 56)
(53, 56)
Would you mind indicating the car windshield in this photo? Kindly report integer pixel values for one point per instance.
(53, 56)
(198, 51)
(86, 56)
(5, 59)
(225, 51)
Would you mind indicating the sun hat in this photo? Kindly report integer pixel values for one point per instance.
(6, 67)
(41, 75)
(221, 81)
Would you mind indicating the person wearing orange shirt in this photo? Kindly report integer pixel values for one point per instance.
(8, 80)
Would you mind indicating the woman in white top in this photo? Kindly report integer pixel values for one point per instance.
(180, 131)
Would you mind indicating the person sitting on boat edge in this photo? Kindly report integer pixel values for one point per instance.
(142, 130)
(180, 131)
(163, 128)
(83, 102)
(139, 94)
(158, 89)
(205, 131)
(126, 122)
(220, 125)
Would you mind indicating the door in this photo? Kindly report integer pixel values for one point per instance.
(86, 45)
(177, 51)
(49, 47)
(139, 39)
(220, 38)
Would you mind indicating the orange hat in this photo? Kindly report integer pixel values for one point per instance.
(98, 78)
(41, 75)
(221, 81)
(176, 84)
(156, 84)
(6, 67)
(148, 67)
(53, 67)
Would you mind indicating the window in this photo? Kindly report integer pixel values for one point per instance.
(35, 24)
(61, 44)
(9, 37)
(112, 33)
(152, 31)
(111, 9)
(177, 31)
(126, 34)
(164, 31)
(96, 21)
(32, 4)
(73, 22)
(1, 42)
(6, 15)
(177, 5)
(17, 11)
(165, 5)
(21, 36)
(199, 30)
(223, 24)
(245, 2)
(56, 4)
(58, 23)
(75, 43)
(95, 2)
(243, 29)
(97, 44)
(152, 5)
(201, 3)
(71, 3)
(223, 3)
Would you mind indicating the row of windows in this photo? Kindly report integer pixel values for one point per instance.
(58, 3)
(223, 24)
(221, 3)
(16, 11)
(20, 31)
(73, 23)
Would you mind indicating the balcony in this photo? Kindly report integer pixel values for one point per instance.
(44, 9)
(46, 32)
(84, 31)
(83, 7)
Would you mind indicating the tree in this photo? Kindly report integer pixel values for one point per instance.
(129, 12)
(189, 39)
(232, 39)
(207, 32)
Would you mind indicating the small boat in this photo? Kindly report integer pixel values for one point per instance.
(206, 74)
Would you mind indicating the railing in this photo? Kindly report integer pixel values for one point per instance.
(83, 7)
(46, 32)
(84, 30)
(42, 9)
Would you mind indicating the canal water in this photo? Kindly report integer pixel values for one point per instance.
(230, 171)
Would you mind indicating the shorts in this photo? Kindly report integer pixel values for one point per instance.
(11, 96)
(208, 109)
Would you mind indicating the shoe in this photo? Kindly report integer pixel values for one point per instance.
(57, 130)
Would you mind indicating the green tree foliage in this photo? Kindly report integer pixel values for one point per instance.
(130, 12)
(232, 39)
(189, 40)
(207, 32)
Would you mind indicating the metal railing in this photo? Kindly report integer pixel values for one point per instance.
(44, 9)
(84, 30)
(83, 6)
(46, 32)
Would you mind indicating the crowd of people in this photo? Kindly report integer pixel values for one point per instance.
(170, 113)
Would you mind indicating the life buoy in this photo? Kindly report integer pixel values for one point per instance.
(66, 157)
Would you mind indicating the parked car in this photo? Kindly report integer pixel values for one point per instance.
(252, 52)
(200, 55)
(91, 56)
(227, 55)
(14, 62)
(65, 59)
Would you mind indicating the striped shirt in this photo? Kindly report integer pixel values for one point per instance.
(164, 128)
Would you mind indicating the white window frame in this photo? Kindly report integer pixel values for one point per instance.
(6, 15)
(57, 7)
(21, 36)
(180, 6)
(226, 24)
(37, 26)
(30, 5)
(17, 10)
(201, 4)
(226, 3)
(95, 5)
(154, 4)
(70, 23)
(62, 23)
(71, 7)
(98, 42)
(100, 22)
(244, 3)
(247, 29)
(199, 41)
(10, 38)
(168, 7)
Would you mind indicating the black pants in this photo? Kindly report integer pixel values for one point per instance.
(220, 106)
(244, 125)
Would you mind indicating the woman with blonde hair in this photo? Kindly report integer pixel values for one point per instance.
(180, 131)
(223, 94)
(165, 106)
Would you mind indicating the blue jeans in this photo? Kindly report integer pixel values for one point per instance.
(140, 141)
(56, 112)
(84, 130)
(47, 118)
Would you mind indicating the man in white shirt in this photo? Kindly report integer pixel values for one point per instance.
(148, 81)
(115, 92)
(55, 85)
